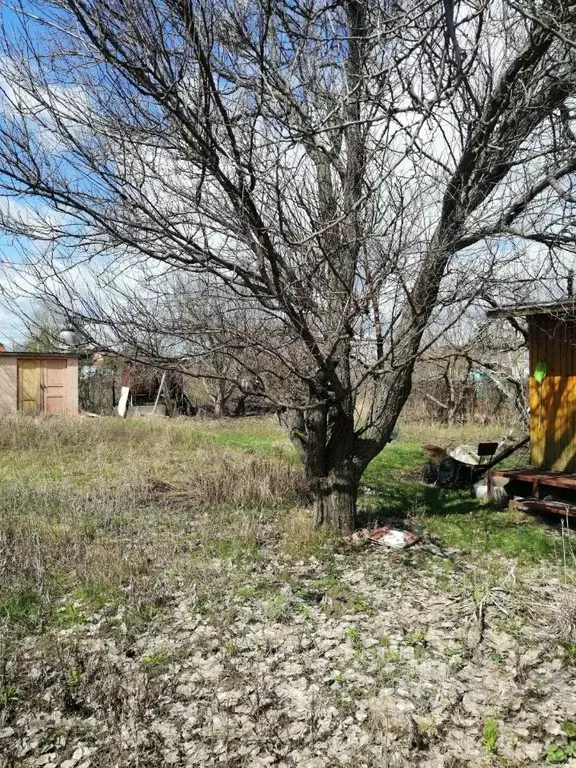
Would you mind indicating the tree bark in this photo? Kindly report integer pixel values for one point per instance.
(335, 502)
(219, 398)
(324, 440)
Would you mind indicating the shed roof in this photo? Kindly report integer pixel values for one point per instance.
(566, 306)
(39, 355)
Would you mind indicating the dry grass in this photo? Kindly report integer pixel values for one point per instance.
(300, 538)
(116, 506)
(99, 512)
(228, 477)
(103, 523)
(89, 452)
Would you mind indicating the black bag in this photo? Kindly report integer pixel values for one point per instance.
(454, 474)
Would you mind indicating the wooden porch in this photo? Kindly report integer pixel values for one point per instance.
(533, 485)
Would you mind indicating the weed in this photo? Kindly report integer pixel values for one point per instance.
(512, 625)
(560, 753)
(231, 648)
(303, 610)
(277, 609)
(248, 592)
(239, 549)
(23, 607)
(155, 659)
(98, 594)
(330, 580)
(341, 600)
(428, 727)
(148, 611)
(69, 615)
(8, 695)
(333, 574)
(90, 528)
(556, 754)
(53, 736)
(453, 651)
(75, 677)
(302, 540)
(353, 635)
(393, 655)
(570, 653)
(490, 734)
(417, 638)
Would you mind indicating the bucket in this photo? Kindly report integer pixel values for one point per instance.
(497, 494)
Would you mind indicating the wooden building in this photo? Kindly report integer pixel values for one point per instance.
(552, 401)
(43, 382)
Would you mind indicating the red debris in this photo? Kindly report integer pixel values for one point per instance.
(393, 538)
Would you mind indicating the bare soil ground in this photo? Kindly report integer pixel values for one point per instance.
(164, 600)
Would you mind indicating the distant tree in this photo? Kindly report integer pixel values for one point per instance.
(42, 329)
(349, 172)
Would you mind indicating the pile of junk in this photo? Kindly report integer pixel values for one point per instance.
(467, 466)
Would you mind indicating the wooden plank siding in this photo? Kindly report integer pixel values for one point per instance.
(54, 386)
(552, 339)
(30, 386)
(44, 384)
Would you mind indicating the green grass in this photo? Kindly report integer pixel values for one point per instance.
(269, 441)
(22, 607)
(97, 594)
(85, 453)
(490, 735)
(8, 695)
(400, 455)
(69, 615)
(240, 548)
(488, 530)
(454, 517)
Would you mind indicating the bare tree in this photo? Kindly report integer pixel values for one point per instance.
(347, 171)
(220, 340)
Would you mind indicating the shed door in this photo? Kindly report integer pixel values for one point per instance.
(29, 386)
(54, 385)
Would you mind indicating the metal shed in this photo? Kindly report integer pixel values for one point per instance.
(38, 382)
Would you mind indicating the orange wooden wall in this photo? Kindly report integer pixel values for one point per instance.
(553, 405)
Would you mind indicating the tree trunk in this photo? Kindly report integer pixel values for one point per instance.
(219, 397)
(335, 502)
(324, 439)
(240, 409)
(220, 400)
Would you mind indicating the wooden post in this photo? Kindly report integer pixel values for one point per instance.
(159, 392)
